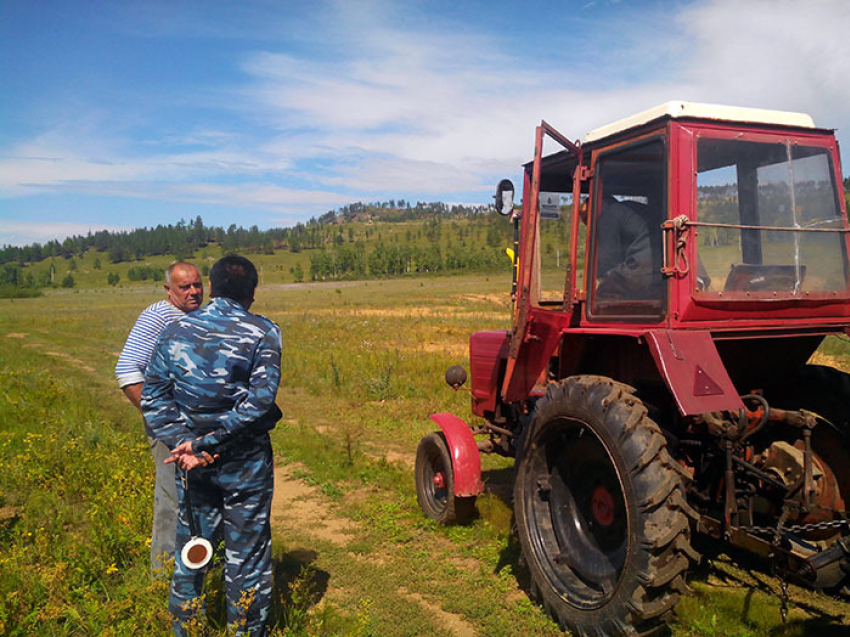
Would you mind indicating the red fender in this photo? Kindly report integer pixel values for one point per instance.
(466, 462)
(693, 370)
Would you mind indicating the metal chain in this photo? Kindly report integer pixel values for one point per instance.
(798, 528)
(777, 572)
(783, 596)
(776, 532)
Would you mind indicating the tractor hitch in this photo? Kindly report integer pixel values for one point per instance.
(827, 568)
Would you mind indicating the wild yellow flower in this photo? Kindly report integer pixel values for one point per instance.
(111, 569)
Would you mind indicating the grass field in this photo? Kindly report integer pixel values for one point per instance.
(363, 368)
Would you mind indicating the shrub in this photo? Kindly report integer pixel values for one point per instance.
(14, 292)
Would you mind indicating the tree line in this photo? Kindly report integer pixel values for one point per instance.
(346, 243)
(354, 262)
(184, 238)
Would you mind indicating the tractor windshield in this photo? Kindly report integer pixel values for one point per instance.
(769, 222)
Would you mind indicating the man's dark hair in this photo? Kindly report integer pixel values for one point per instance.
(233, 277)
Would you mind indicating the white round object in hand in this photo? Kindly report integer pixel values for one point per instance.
(196, 553)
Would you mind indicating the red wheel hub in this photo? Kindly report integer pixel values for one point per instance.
(603, 506)
(440, 480)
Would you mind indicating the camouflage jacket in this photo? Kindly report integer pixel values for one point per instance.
(214, 373)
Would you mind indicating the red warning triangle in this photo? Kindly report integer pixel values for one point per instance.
(704, 385)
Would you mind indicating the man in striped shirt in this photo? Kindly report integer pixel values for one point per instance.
(184, 293)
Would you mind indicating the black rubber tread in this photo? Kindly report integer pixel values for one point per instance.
(659, 550)
(666, 574)
(434, 451)
(683, 544)
(678, 500)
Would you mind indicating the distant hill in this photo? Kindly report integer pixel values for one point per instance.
(355, 242)
(183, 238)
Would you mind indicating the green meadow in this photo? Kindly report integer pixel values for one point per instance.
(363, 369)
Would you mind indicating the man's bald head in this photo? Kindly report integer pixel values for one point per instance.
(184, 287)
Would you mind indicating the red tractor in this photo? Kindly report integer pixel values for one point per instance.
(664, 390)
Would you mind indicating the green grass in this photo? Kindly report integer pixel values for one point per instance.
(363, 369)
(75, 487)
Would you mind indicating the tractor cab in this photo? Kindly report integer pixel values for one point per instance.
(684, 217)
(693, 209)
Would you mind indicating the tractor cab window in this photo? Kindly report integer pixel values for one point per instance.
(628, 209)
(770, 223)
(555, 208)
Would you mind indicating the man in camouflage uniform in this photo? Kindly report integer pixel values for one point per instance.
(209, 395)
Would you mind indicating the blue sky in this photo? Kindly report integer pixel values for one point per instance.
(126, 114)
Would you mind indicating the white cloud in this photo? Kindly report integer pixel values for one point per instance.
(375, 102)
(779, 54)
(766, 54)
(268, 196)
(374, 177)
(28, 232)
(47, 164)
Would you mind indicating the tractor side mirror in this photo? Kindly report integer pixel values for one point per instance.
(505, 197)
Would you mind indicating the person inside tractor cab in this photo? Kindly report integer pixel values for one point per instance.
(628, 261)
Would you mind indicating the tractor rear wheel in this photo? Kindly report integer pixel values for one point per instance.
(435, 482)
(600, 510)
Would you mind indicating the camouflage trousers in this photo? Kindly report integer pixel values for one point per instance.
(231, 500)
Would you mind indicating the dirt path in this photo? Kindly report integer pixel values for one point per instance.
(300, 510)
(299, 506)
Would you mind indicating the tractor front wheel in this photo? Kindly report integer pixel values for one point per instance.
(435, 482)
(600, 510)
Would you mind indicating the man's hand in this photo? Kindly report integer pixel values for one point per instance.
(189, 461)
(186, 459)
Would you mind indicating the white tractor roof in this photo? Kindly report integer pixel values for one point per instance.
(703, 111)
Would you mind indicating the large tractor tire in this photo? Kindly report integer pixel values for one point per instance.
(435, 483)
(601, 511)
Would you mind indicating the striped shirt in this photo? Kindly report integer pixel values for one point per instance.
(137, 351)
